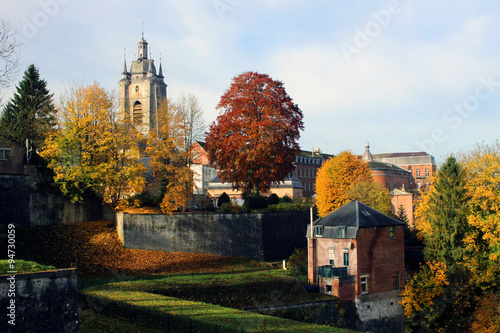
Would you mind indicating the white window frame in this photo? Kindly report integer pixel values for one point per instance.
(363, 280)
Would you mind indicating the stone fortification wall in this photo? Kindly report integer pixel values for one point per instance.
(328, 312)
(14, 199)
(24, 204)
(261, 236)
(39, 302)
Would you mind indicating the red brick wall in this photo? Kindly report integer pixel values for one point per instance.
(14, 164)
(391, 180)
(199, 155)
(380, 257)
(423, 179)
(407, 202)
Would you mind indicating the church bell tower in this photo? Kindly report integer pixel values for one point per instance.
(141, 91)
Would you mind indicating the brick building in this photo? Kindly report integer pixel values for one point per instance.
(400, 197)
(291, 187)
(421, 165)
(307, 164)
(357, 253)
(11, 157)
(389, 175)
(300, 184)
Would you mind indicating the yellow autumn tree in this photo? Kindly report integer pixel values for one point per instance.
(336, 178)
(482, 165)
(165, 146)
(91, 152)
(371, 194)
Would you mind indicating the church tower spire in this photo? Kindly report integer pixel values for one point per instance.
(141, 91)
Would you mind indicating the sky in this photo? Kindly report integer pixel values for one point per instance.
(404, 75)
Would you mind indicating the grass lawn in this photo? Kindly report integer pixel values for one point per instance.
(92, 322)
(23, 266)
(238, 291)
(202, 301)
(181, 315)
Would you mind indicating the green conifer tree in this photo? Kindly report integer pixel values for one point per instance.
(446, 215)
(30, 114)
(403, 217)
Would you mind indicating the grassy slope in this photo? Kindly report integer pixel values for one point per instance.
(238, 291)
(203, 316)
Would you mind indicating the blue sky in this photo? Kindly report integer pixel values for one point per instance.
(404, 75)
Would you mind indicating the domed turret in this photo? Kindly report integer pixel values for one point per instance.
(367, 156)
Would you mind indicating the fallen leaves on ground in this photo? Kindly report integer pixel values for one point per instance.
(95, 249)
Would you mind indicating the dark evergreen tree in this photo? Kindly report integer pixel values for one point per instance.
(446, 215)
(224, 198)
(403, 217)
(30, 114)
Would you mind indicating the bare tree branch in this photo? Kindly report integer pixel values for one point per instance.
(9, 54)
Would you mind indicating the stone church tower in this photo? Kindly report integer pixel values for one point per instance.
(141, 91)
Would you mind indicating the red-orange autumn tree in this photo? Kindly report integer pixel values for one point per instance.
(253, 142)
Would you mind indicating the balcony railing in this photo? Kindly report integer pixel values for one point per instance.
(330, 271)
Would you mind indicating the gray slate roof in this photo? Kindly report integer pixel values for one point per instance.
(357, 214)
(352, 216)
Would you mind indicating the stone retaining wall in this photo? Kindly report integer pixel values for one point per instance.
(261, 236)
(39, 302)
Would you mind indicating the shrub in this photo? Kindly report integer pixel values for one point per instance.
(297, 263)
(286, 199)
(273, 199)
(255, 202)
(293, 206)
(229, 207)
(145, 199)
(224, 198)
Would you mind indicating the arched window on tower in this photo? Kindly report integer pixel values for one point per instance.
(137, 113)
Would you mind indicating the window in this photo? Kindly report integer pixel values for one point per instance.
(364, 284)
(4, 154)
(395, 279)
(427, 172)
(319, 230)
(331, 255)
(329, 289)
(137, 113)
(346, 259)
(418, 172)
(418, 184)
(341, 232)
(392, 232)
